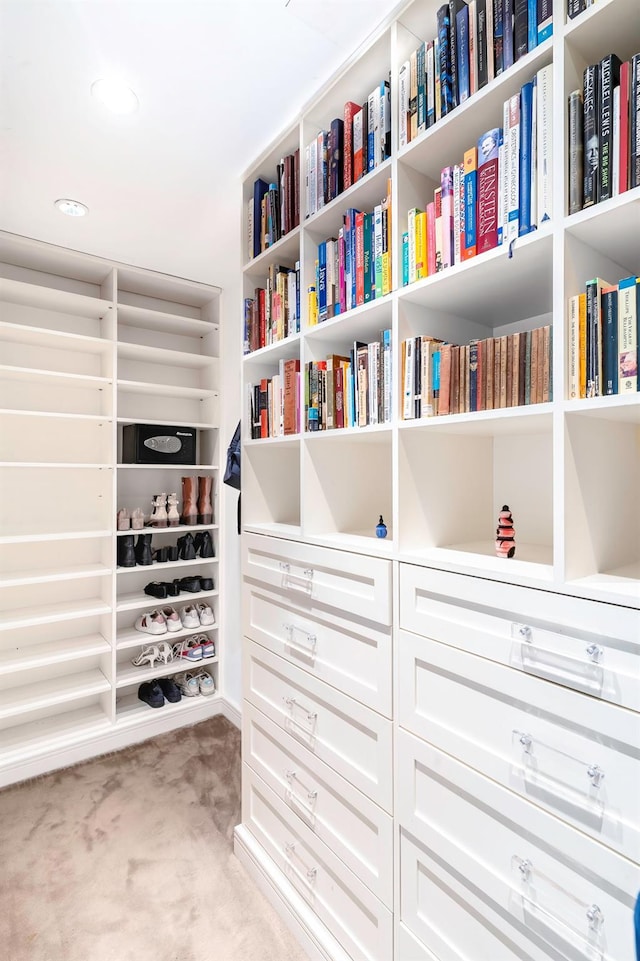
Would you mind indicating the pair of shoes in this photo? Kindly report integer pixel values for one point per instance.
(162, 621)
(164, 554)
(165, 511)
(197, 615)
(126, 520)
(162, 589)
(129, 554)
(194, 583)
(195, 648)
(162, 652)
(191, 685)
(155, 692)
(189, 547)
(197, 507)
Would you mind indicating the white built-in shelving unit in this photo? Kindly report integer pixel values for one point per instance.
(510, 678)
(88, 346)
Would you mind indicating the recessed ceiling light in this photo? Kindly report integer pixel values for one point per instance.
(115, 95)
(73, 208)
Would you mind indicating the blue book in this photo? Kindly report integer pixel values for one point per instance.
(446, 87)
(498, 37)
(260, 188)
(545, 20)
(609, 302)
(462, 50)
(470, 199)
(405, 260)
(532, 25)
(322, 281)
(507, 34)
(526, 127)
(435, 379)
(473, 375)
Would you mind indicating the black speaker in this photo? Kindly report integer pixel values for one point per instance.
(149, 444)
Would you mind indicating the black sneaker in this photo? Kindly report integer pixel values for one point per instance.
(170, 689)
(151, 693)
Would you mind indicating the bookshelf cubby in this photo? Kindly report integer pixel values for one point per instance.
(559, 615)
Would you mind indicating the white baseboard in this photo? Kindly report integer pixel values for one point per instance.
(232, 712)
(114, 738)
(311, 934)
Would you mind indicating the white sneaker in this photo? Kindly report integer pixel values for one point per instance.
(189, 616)
(205, 614)
(172, 618)
(188, 683)
(206, 683)
(153, 622)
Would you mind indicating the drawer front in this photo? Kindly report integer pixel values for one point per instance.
(353, 583)
(350, 654)
(350, 738)
(535, 879)
(573, 755)
(410, 948)
(355, 917)
(583, 645)
(351, 825)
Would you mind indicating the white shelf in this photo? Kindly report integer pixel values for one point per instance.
(149, 319)
(602, 28)
(57, 690)
(355, 324)
(618, 407)
(131, 638)
(285, 439)
(180, 467)
(36, 375)
(286, 249)
(137, 675)
(622, 584)
(52, 733)
(170, 565)
(165, 390)
(607, 227)
(52, 613)
(132, 602)
(131, 710)
(284, 349)
(532, 561)
(170, 530)
(168, 423)
(53, 574)
(57, 465)
(57, 339)
(48, 536)
(530, 419)
(161, 355)
(50, 298)
(55, 415)
(52, 652)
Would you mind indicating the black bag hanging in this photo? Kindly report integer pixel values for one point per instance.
(232, 470)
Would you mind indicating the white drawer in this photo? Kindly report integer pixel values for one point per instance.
(349, 737)
(353, 583)
(410, 948)
(584, 645)
(349, 653)
(350, 824)
(530, 879)
(574, 755)
(355, 917)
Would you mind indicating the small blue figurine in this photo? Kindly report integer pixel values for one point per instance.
(381, 529)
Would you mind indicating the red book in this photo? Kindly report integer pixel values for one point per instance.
(431, 238)
(359, 258)
(625, 73)
(487, 224)
(347, 159)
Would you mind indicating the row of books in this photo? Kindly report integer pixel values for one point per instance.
(501, 191)
(475, 42)
(274, 209)
(603, 339)
(575, 7)
(350, 391)
(604, 132)
(273, 313)
(353, 146)
(508, 371)
(355, 267)
(274, 403)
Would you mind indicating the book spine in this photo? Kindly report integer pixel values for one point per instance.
(444, 44)
(545, 20)
(469, 247)
(487, 225)
(430, 84)
(609, 78)
(373, 125)
(590, 134)
(367, 255)
(359, 235)
(473, 376)
(446, 186)
(594, 339)
(610, 340)
(507, 34)
(457, 177)
(336, 165)
(411, 229)
(413, 95)
(408, 409)
(623, 175)
(615, 150)
(627, 336)
(422, 88)
(359, 152)
(491, 49)
(403, 105)
(421, 254)
(462, 54)
(575, 7)
(377, 248)
(431, 238)
(573, 348)
(473, 47)
(503, 189)
(532, 25)
(526, 146)
(576, 173)
(533, 166)
(634, 123)
(322, 282)
(498, 37)
(445, 379)
(438, 85)
(387, 393)
(454, 6)
(481, 46)
(385, 120)
(512, 142)
(521, 28)
(405, 258)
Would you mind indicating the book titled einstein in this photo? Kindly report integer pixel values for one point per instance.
(487, 219)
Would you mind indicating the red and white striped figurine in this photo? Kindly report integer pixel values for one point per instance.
(505, 534)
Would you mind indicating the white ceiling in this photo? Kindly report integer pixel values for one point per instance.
(216, 82)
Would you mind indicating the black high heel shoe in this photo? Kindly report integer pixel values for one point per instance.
(204, 544)
(186, 548)
(143, 554)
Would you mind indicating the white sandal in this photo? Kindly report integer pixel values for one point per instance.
(148, 655)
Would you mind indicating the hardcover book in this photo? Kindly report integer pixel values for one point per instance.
(481, 44)
(576, 172)
(487, 224)
(609, 78)
(627, 336)
(350, 110)
(462, 53)
(447, 102)
(634, 123)
(590, 133)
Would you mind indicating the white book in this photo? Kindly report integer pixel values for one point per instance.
(384, 95)
(490, 57)
(387, 393)
(313, 159)
(407, 397)
(403, 106)
(456, 214)
(473, 47)
(615, 156)
(512, 145)
(358, 140)
(573, 348)
(544, 128)
(431, 81)
(373, 380)
(411, 230)
(291, 319)
(533, 179)
(321, 167)
(426, 408)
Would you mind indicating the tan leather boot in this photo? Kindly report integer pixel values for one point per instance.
(189, 498)
(205, 507)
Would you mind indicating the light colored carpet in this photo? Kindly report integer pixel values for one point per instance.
(129, 858)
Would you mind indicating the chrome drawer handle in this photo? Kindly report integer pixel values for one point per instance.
(312, 639)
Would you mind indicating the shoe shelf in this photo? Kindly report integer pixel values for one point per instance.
(52, 652)
(56, 690)
(132, 602)
(52, 574)
(62, 536)
(170, 530)
(166, 390)
(129, 637)
(50, 298)
(51, 733)
(51, 613)
(149, 319)
(165, 566)
(131, 710)
(136, 675)
(180, 467)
